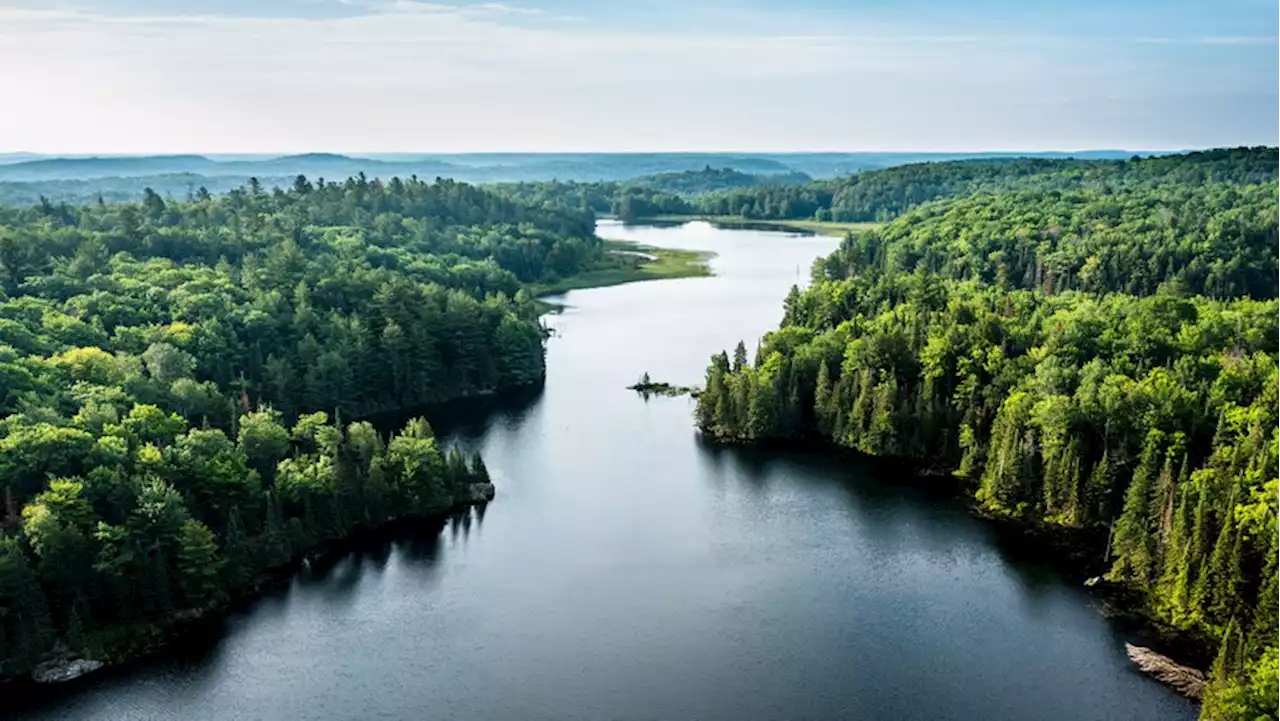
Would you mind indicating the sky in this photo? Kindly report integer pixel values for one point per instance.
(283, 76)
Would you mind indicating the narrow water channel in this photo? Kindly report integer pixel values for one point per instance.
(627, 571)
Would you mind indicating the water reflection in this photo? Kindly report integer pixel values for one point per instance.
(630, 571)
(890, 509)
(466, 418)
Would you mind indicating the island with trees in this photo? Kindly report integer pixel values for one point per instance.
(1091, 348)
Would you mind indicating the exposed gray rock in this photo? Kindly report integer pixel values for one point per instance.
(64, 670)
(478, 493)
(1188, 681)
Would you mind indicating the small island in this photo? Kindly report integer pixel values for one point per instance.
(647, 387)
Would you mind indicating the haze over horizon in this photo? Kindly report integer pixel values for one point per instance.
(227, 155)
(737, 76)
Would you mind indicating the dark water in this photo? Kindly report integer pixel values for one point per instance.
(627, 571)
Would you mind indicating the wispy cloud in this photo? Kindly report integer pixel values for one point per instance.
(504, 9)
(411, 75)
(1237, 40)
(1215, 40)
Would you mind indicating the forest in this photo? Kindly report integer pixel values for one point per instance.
(1086, 347)
(646, 196)
(24, 180)
(881, 195)
(183, 385)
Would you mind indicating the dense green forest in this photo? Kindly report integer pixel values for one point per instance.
(646, 196)
(884, 194)
(1092, 347)
(122, 190)
(879, 195)
(710, 180)
(174, 378)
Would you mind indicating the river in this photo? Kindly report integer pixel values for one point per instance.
(628, 571)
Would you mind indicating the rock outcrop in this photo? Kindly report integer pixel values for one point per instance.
(477, 493)
(1186, 680)
(61, 670)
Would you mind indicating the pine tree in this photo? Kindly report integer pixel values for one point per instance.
(971, 459)
(1222, 577)
(1099, 486)
(860, 415)
(479, 473)
(26, 630)
(762, 412)
(238, 567)
(1174, 591)
(1263, 627)
(1163, 498)
(1009, 461)
(739, 357)
(882, 432)
(823, 412)
(276, 539)
(1134, 540)
(198, 564)
(1229, 663)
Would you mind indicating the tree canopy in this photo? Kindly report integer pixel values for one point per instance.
(880, 195)
(1082, 356)
(173, 377)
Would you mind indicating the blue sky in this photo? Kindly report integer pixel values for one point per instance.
(134, 76)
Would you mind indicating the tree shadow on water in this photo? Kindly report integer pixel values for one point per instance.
(420, 546)
(895, 508)
(192, 664)
(466, 418)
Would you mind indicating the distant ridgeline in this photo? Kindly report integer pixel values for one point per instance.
(879, 195)
(174, 378)
(646, 196)
(25, 179)
(1088, 345)
(884, 194)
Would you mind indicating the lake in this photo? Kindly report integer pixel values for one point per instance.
(629, 571)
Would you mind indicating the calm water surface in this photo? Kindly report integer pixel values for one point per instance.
(627, 571)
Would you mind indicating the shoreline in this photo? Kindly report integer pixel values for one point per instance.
(125, 646)
(120, 647)
(815, 227)
(647, 263)
(1076, 553)
(128, 646)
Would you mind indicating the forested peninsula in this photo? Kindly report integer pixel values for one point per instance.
(182, 383)
(1086, 345)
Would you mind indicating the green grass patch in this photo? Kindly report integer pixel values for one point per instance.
(820, 227)
(630, 263)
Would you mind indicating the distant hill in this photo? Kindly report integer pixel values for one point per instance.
(709, 180)
(25, 178)
(883, 194)
(475, 168)
(313, 165)
(84, 168)
(24, 167)
(117, 190)
(17, 157)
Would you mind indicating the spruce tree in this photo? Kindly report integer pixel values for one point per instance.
(1134, 541)
(739, 357)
